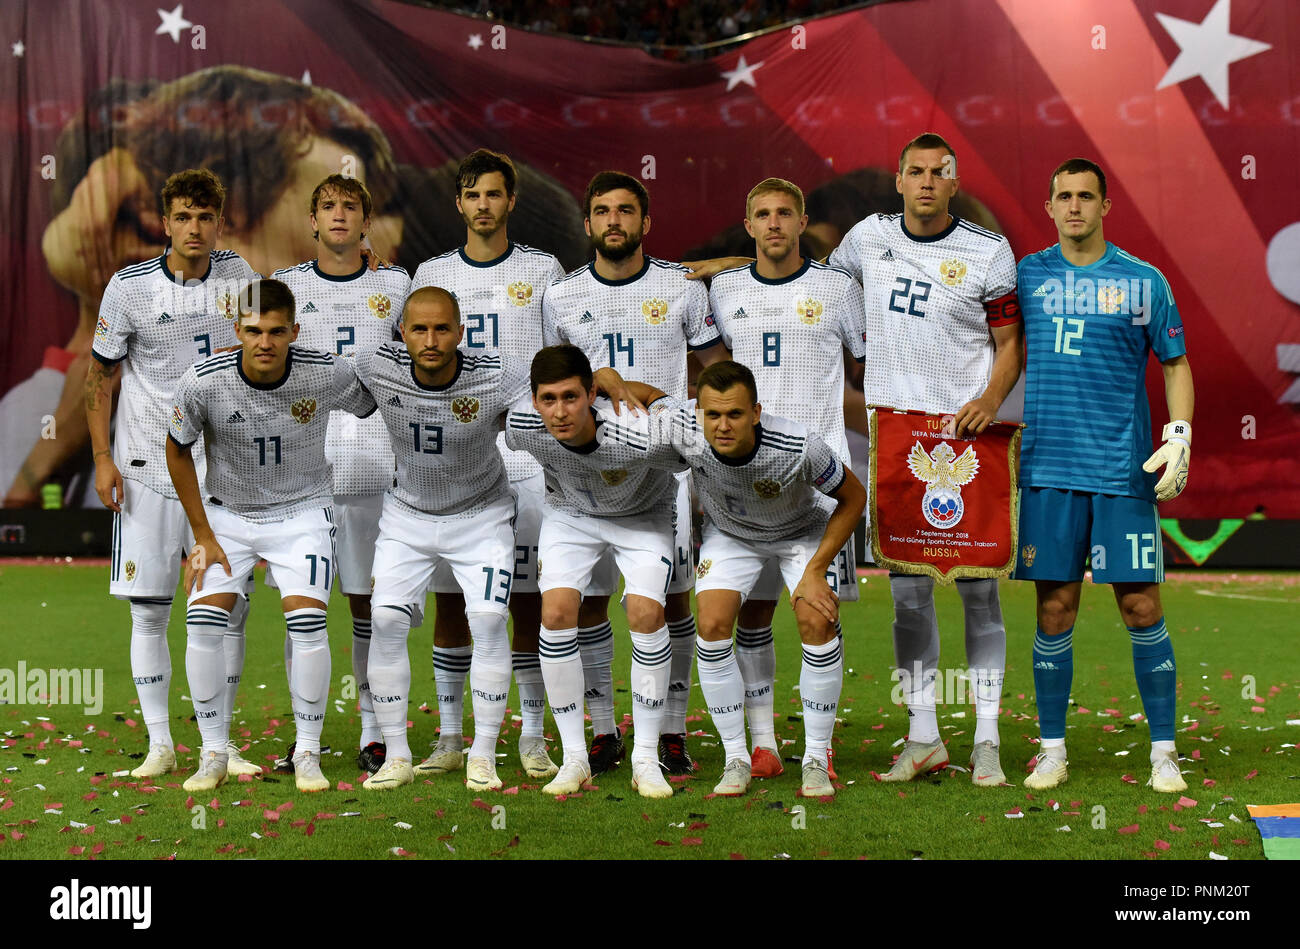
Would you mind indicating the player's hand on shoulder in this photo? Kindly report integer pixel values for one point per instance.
(1175, 456)
(205, 552)
(373, 260)
(704, 269)
(974, 417)
(816, 592)
(613, 387)
(108, 482)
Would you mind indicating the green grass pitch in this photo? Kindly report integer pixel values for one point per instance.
(1238, 711)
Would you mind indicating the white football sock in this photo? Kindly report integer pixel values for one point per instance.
(450, 669)
(205, 668)
(820, 680)
(389, 671)
(236, 641)
(596, 645)
(361, 633)
(309, 686)
(724, 691)
(916, 652)
(651, 658)
(986, 652)
(489, 680)
(532, 692)
(756, 657)
(562, 673)
(151, 665)
(681, 634)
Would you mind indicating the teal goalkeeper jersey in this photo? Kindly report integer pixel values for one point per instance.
(1088, 331)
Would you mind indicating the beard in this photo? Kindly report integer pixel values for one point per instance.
(619, 252)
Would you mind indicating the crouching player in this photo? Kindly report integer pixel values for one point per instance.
(450, 502)
(758, 482)
(609, 487)
(262, 412)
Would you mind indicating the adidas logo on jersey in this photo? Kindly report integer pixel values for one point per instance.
(394, 401)
(887, 255)
(587, 318)
(309, 308)
(165, 318)
(235, 418)
(1041, 291)
(739, 314)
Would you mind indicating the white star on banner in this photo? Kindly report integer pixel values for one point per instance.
(742, 73)
(1206, 49)
(475, 40)
(18, 48)
(173, 23)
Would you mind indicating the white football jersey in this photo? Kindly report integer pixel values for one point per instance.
(641, 326)
(444, 437)
(157, 328)
(791, 333)
(927, 324)
(627, 470)
(349, 315)
(773, 492)
(501, 306)
(266, 441)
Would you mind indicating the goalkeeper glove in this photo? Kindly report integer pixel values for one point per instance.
(1174, 456)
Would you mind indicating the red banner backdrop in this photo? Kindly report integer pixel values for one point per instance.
(942, 506)
(1192, 107)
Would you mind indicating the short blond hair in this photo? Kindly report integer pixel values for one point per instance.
(771, 186)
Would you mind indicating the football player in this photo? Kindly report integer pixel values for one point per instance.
(263, 413)
(1093, 313)
(156, 319)
(759, 476)
(640, 316)
(346, 306)
(499, 286)
(790, 319)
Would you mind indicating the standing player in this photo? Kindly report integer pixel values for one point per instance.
(1093, 316)
(450, 502)
(609, 490)
(345, 307)
(759, 483)
(640, 316)
(499, 287)
(262, 412)
(157, 318)
(790, 319)
(941, 309)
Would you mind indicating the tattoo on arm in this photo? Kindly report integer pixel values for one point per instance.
(95, 377)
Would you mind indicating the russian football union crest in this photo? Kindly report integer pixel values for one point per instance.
(614, 476)
(1110, 299)
(1028, 554)
(228, 304)
(767, 489)
(130, 570)
(952, 272)
(303, 410)
(944, 475)
(520, 293)
(702, 568)
(465, 408)
(810, 311)
(379, 305)
(654, 311)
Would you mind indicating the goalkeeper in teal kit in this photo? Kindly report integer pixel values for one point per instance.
(1092, 315)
